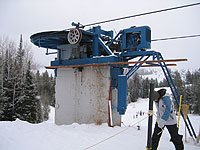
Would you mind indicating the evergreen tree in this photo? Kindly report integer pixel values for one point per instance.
(189, 77)
(17, 90)
(20, 57)
(38, 82)
(178, 82)
(164, 83)
(30, 108)
(6, 98)
(46, 91)
(196, 90)
(191, 94)
(134, 88)
(155, 82)
(18, 96)
(189, 98)
(52, 91)
(45, 94)
(145, 88)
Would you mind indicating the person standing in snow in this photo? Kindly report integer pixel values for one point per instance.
(166, 117)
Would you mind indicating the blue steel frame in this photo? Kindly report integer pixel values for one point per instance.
(98, 34)
(138, 36)
(118, 79)
(158, 56)
(122, 87)
(174, 92)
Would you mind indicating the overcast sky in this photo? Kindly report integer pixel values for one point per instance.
(32, 16)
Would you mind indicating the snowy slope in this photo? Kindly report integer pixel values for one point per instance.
(20, 135)
(157, 73)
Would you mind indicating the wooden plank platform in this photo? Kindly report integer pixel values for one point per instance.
(118, 63)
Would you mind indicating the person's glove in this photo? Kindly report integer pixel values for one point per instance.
(161, 123)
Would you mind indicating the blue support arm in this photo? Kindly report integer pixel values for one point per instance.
(122, 94)
(107, 49)
(114, 38)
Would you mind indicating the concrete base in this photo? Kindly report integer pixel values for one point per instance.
(82, 96)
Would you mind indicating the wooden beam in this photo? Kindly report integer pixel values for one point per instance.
(116, 63)
(157, 66)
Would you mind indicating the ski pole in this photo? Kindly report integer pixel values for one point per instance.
(149, 140)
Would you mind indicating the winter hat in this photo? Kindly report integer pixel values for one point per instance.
(155, 95)
(161, 92)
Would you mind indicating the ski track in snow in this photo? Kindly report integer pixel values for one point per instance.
(20, 135)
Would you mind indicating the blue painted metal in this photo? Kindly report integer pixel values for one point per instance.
(133, 42)
(174, 92)
(47, 52)
(122, 94)
(136, 38)
(114, 39)
(96, 46)
(114, 73)
(106, 48)
(94, 60)
(98, 35)
(135, 67)
(56, 72)
(77, 25)
(137, 54)
(99, 31)
(50, 39)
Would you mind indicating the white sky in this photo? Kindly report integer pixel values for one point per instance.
(32, 16)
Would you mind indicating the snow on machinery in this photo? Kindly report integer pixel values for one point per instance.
(79, 48)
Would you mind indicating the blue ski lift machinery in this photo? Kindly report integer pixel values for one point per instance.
(79, 48)
(83, 47)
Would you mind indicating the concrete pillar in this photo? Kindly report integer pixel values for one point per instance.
(82, 96)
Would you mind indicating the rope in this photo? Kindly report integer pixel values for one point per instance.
(115, 134)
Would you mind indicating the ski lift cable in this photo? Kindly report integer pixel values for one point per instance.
(137, 15)
(175, 38)
(142, 14)
(112, 136)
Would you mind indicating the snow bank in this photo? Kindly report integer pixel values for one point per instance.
(20, 135)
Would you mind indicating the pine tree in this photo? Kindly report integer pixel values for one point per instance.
(45, 95)
(18, 98)
(191, 94)
(134, 88)
(52, 91)
(155, 82)
(164, 83)
(46, 91)
(189, 98)
(189, 77)
(178, 82)
(6, 98)
(17, 90)
(30, 109)
(196, 90)
(20, 57)
(145, 88)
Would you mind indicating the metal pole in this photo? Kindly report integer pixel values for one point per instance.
(149, 140)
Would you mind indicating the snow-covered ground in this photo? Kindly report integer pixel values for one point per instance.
(20, 135)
